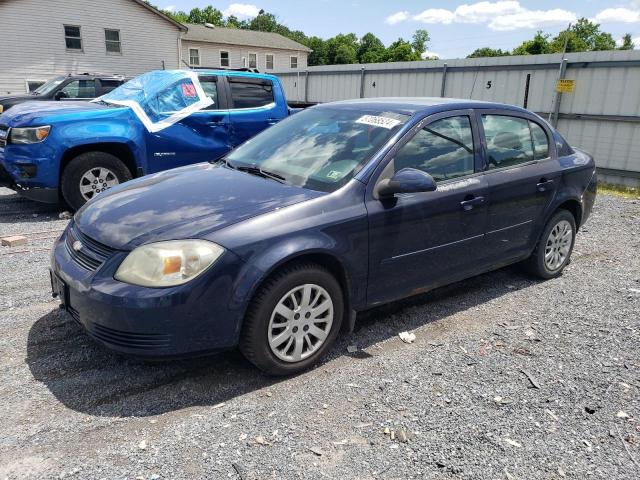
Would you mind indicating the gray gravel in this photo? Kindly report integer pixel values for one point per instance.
(465, 392)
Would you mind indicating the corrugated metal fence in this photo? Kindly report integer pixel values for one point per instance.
(601, 116)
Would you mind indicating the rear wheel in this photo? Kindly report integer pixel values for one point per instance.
(553, 251)
(293, 320)
(89, 174)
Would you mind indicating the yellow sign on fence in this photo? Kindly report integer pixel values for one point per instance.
(565, 86)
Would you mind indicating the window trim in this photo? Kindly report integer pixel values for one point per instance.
(73, 50)
(378, 172)
(553, 154)
(119, 42)
(249, 59)
(220, 52)
(32, 80)
(291, 57)
(273, 61)
(189, 55)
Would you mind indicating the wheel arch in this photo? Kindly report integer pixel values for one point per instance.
(573, 206)
(118, 149)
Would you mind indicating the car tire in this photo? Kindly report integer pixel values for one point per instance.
(267, 333)
(92, 169)
(553, 250)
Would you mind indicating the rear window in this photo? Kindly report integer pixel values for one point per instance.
(247, 94)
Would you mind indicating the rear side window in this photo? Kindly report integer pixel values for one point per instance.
(540, 141)
(443, 149)
(80, 89)
(251, 94)
(108, 85)
(508, 140)
(210, 87)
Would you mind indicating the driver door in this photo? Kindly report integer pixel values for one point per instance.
(422, 240)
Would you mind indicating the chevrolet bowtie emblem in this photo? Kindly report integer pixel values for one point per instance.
(77, 245)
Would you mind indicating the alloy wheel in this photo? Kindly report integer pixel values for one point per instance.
(97, 180)
(558, 245)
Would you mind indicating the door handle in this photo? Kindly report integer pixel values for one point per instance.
(544, 184)
(471, 202)
(272, 121)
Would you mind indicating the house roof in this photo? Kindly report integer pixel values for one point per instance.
(159, 13)
(237, 36)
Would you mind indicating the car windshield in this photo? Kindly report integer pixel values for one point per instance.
(320, 148)
(48, 86)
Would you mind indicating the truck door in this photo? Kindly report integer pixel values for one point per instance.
(255, 104)
(199, 137)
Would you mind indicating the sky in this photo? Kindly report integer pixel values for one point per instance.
(456, 27)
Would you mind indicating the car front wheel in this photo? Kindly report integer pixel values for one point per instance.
(553, 251)
(293, 320)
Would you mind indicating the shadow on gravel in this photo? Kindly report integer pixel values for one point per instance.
(88, 378)
(14, 208)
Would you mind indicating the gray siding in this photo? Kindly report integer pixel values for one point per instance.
(33, 45)
(210, 55)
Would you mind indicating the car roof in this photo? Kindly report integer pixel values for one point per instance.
(236, 73)
(413, 105)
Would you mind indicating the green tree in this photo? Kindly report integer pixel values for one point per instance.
(370, 49)
(584, 36)
(488, 52)
(420, 40)
(401, 51)
(333, 44)
(627, 42)
(345, 54)
(319, 54)
(264, 22)
(536, 46)
(235, 22)
(213, 16)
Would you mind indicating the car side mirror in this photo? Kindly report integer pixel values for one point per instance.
(60, 95)
(407, 180)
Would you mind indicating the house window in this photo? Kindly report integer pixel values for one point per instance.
(112, 41)
(72, 37)
(224, 58)
(294, 62)
(269, 59)
(194, 56)
(253, 60)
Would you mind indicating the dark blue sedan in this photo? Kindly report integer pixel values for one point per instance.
(339, 208)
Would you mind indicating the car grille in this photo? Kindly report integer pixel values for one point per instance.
(88, 253)
(4, 133)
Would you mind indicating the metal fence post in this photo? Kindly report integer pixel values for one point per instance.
(362, 82)
(306, 86)
(558, 97)
(444, 80)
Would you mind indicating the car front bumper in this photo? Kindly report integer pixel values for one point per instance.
(30, 171)
(191, 319)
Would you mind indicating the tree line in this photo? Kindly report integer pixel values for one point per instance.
(583, 36)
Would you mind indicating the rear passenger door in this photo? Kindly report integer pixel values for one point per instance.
(254, 106)
(522, 179)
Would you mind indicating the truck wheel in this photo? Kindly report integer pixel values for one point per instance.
(89, 174)
(553, 251)
(293, 319)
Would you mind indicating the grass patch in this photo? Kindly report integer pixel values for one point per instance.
(626, 192)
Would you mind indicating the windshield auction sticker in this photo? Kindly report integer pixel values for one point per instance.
(377, 121)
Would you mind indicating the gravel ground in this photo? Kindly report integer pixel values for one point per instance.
(509, 378)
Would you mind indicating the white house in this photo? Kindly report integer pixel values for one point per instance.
(209, 46)
(41, 39)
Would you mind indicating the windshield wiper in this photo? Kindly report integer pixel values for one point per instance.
(255, 170)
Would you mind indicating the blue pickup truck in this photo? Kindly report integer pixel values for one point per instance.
(53, 151)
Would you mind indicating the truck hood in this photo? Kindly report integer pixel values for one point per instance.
(32, 112)
(187, 202)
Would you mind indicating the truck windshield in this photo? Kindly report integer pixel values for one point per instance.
(48, 86)
(320, 148)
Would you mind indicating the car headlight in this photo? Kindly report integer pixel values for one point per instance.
(166, 264)
(29, 134)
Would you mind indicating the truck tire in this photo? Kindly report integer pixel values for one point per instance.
(90, 173)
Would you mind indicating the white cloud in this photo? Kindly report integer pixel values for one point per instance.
(397, 17)
(533, 19)
(241, 10)
(429, 54)
(618, 15)
(170, 8)
(636, 43)
(500, 15)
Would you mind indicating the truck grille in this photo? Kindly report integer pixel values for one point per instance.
(85, 251)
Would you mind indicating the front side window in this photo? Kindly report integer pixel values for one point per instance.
(320, 148)
(79, 89)
(112, 41)
(72, 37)
(508, 140)
(224, 58)
(294, 62)
(253, 60)
(194, 56)
(250, 95)
(269, 61)
(443, 149)
(49, 86)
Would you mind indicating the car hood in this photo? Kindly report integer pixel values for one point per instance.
(28, 113)
(187, 202)
(12, 98)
